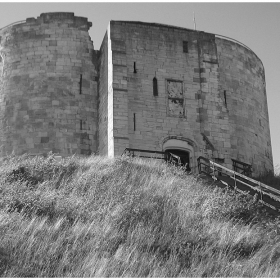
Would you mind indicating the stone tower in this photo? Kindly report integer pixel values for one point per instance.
(48, 98)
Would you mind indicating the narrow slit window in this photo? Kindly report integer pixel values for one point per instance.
(81, 79)
(155, 87)
(81, 125)
(135, 70)
(225, 96)
(134, 121)
(185, 47)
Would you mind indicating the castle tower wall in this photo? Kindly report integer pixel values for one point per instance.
(211, 94)
(105, 109)
(142, 52)
(48, 94)
(103, 98)
(242, 83)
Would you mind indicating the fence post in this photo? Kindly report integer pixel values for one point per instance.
(261, 191)
(213, 169)
(234, 181)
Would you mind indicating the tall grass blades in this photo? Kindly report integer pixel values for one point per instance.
(122, 217)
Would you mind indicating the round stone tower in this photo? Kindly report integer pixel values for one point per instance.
(48, 86)
(243, 90)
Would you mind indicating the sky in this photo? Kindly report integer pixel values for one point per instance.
(254, 24)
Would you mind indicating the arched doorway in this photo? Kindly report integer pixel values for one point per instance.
(179, 157)
(180, 151)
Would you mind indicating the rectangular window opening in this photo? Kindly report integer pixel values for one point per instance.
(175, 98)
(185, 47)
(219, 160)
(155, 87)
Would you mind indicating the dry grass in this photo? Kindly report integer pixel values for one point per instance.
(99, 217)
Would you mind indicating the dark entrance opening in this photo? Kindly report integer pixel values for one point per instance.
(179, 158)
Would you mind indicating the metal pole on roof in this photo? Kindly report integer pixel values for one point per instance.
(194, 23)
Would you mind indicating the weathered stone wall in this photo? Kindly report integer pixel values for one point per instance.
(120, 91)
(200, 78)
(105, 109)
(48, 100)
(213, 114)
(110, 139)
(151, 120)
(103, 98)
(242, 79)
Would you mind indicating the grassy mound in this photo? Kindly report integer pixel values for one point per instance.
(100, 217)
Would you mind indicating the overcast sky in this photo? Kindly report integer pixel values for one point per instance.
(254, 24)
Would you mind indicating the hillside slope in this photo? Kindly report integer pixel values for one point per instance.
(100, 217)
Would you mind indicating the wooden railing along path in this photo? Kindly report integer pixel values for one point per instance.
(267, 195)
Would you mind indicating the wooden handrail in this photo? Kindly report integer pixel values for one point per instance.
(143, 151)
(257, 183)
